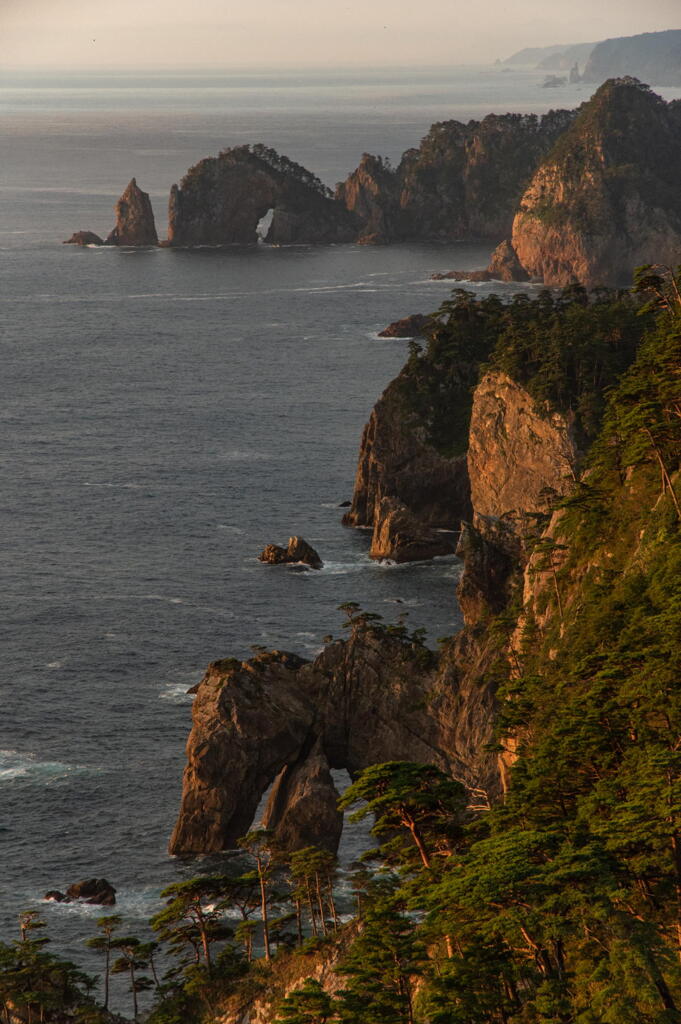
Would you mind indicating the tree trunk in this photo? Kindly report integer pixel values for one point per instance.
(263, 914)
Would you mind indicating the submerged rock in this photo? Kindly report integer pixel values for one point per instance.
(134, 219)
(84, 238)
(298, 550)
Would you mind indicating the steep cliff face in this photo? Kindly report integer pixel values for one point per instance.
(520, 458)
(606, 198)
(373, 697)
(134, 219)
(371, 193)
(398, 466)
(222, 199)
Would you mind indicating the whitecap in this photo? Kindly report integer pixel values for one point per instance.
(176, 693)
(15, 765)
(55, 664)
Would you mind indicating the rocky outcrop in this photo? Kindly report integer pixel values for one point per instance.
(372, 194)
(302, 809)
(96, 891)
(134, 219)
(504, 264)
(400, 536)
(463, 181)
(374, 697)
(222, 200)
(408, 327)
(84, 238)
(521, 457)
(296, 552)
(606, 199)
(397, 461)
(492, 555)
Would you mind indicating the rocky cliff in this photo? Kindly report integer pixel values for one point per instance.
(134, 219)
(653, 57)
(463, 181)
(377, 696)
(606, 199)
(222, 200)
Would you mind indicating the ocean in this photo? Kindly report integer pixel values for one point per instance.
(165, 415)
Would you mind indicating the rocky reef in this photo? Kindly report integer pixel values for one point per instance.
(222, 200)
(297, 552)
(504, 265)
(606, 199)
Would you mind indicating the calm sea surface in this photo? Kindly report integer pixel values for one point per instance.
(164, 415)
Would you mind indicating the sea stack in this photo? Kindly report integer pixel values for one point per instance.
(134, 219)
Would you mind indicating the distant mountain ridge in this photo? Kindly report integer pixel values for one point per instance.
(653, 57)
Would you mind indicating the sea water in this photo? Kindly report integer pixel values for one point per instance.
(166, 414)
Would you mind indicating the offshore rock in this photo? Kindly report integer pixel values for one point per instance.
(303, 806)
(371, 698)
(297, 551)
(504, 264)
(84, 238)
(372, 194)
(409, 327)
(400, 536)
(606, 199)
(223, 199)
(134, 219)
(91, 890)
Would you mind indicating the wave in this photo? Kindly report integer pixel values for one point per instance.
(176, 693)
(15, 765)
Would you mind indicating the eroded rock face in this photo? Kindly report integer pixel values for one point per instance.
(396, 461)
(297, 551)
(302, 809)
(519, 456)
(364, 700)
(372, 194)
(221, 201)
(400, 536)
(134, 219)
(504, 264)
(606, 199)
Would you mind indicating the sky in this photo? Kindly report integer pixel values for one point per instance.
(175, 34)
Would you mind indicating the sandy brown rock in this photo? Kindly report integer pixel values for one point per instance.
(520, 457)
(371, 194)
(607, 198)
(401, 536)
(302, 809)
(296, 552)
(134, 219)
(504, 264)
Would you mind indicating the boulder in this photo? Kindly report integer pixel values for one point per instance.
(134, 219)
(84, 238)
(55, 896)
(401, 536)
(409, 327)
(297, 551)
(92, 890)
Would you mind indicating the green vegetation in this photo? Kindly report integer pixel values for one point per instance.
(561, 903)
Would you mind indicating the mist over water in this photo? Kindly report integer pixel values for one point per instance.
(165, 414)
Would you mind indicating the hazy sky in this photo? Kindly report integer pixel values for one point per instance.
(84, 34)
